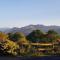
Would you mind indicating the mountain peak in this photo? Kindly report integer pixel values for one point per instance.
(28, 29)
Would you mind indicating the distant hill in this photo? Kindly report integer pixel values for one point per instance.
(4, 29)
(28, 29)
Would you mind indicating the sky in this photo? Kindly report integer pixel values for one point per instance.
(19, 13)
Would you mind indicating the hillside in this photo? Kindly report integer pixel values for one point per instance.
(28, 29)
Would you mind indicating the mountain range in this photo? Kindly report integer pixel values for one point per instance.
(28, 29)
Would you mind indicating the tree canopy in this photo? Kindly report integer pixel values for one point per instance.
(35, 36)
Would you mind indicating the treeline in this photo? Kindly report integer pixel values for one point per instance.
(11, 44)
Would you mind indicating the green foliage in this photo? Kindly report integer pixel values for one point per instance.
(35, 36)
(52, 35)
(16, 44)
(16, 36)
(39, 36)
(52, 32)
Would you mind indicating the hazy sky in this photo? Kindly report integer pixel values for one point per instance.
(18, 13)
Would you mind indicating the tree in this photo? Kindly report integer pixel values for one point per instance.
(9, 48)
(51, 32)
(35, 36)
(52, 35)
(15, 36)
(3, 36)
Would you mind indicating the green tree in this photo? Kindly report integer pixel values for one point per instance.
(51, 32)
(52, 35)
(15, 36)
(35, 36)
